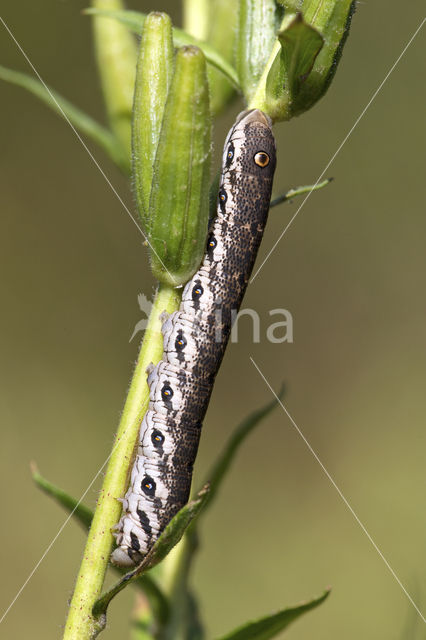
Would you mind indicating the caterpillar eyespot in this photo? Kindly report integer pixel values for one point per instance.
(148, 486)
(166, 392)
(222, 195)
(180, 342)
(157, 438)
(261, 159)
(197, 291)
(230, 154)
(180, 384)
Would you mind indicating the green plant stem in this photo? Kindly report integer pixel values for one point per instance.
(258, 100)
(196, 18)
(80, 624)
(176, 569)
(299, 191)
(116, 55)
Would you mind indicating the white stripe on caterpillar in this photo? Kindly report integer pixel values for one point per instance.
(195, 338)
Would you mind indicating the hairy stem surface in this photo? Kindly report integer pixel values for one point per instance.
(81, 624)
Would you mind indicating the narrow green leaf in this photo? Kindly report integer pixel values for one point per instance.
(298, 191)
(84, 515)
(80, 512)
(222, 465)
(134, 21)
(175, 529)
(165, 543)
(80, 120)
(270, 626)
(216, 476)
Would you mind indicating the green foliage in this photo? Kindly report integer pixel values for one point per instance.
(79, 511)
(134, 21)
(304, 57)
(80, 120)
(165, 543)
(181, 602)
(332, 19)
(220, 468)
(283, 57)
(183, 610)
(82, 514)
(300, 45)
(270, 626)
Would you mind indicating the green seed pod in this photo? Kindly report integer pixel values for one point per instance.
(332, 19)
(297, 48)
(116, 58)
(153, 77)
(178, 208)
(305, 57)
(257, 27)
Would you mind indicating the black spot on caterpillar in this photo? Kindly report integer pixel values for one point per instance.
(195, 339)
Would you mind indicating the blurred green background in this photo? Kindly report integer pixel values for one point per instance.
(351, 269)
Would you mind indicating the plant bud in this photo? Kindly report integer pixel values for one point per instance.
(153, 77)
(305, 57)
(179, 203)
(332, 19)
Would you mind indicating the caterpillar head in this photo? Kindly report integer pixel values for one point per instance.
(250, 146)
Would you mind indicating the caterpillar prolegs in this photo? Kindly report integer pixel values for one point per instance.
(195, 338)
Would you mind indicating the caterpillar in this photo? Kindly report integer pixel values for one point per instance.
(195, 339)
